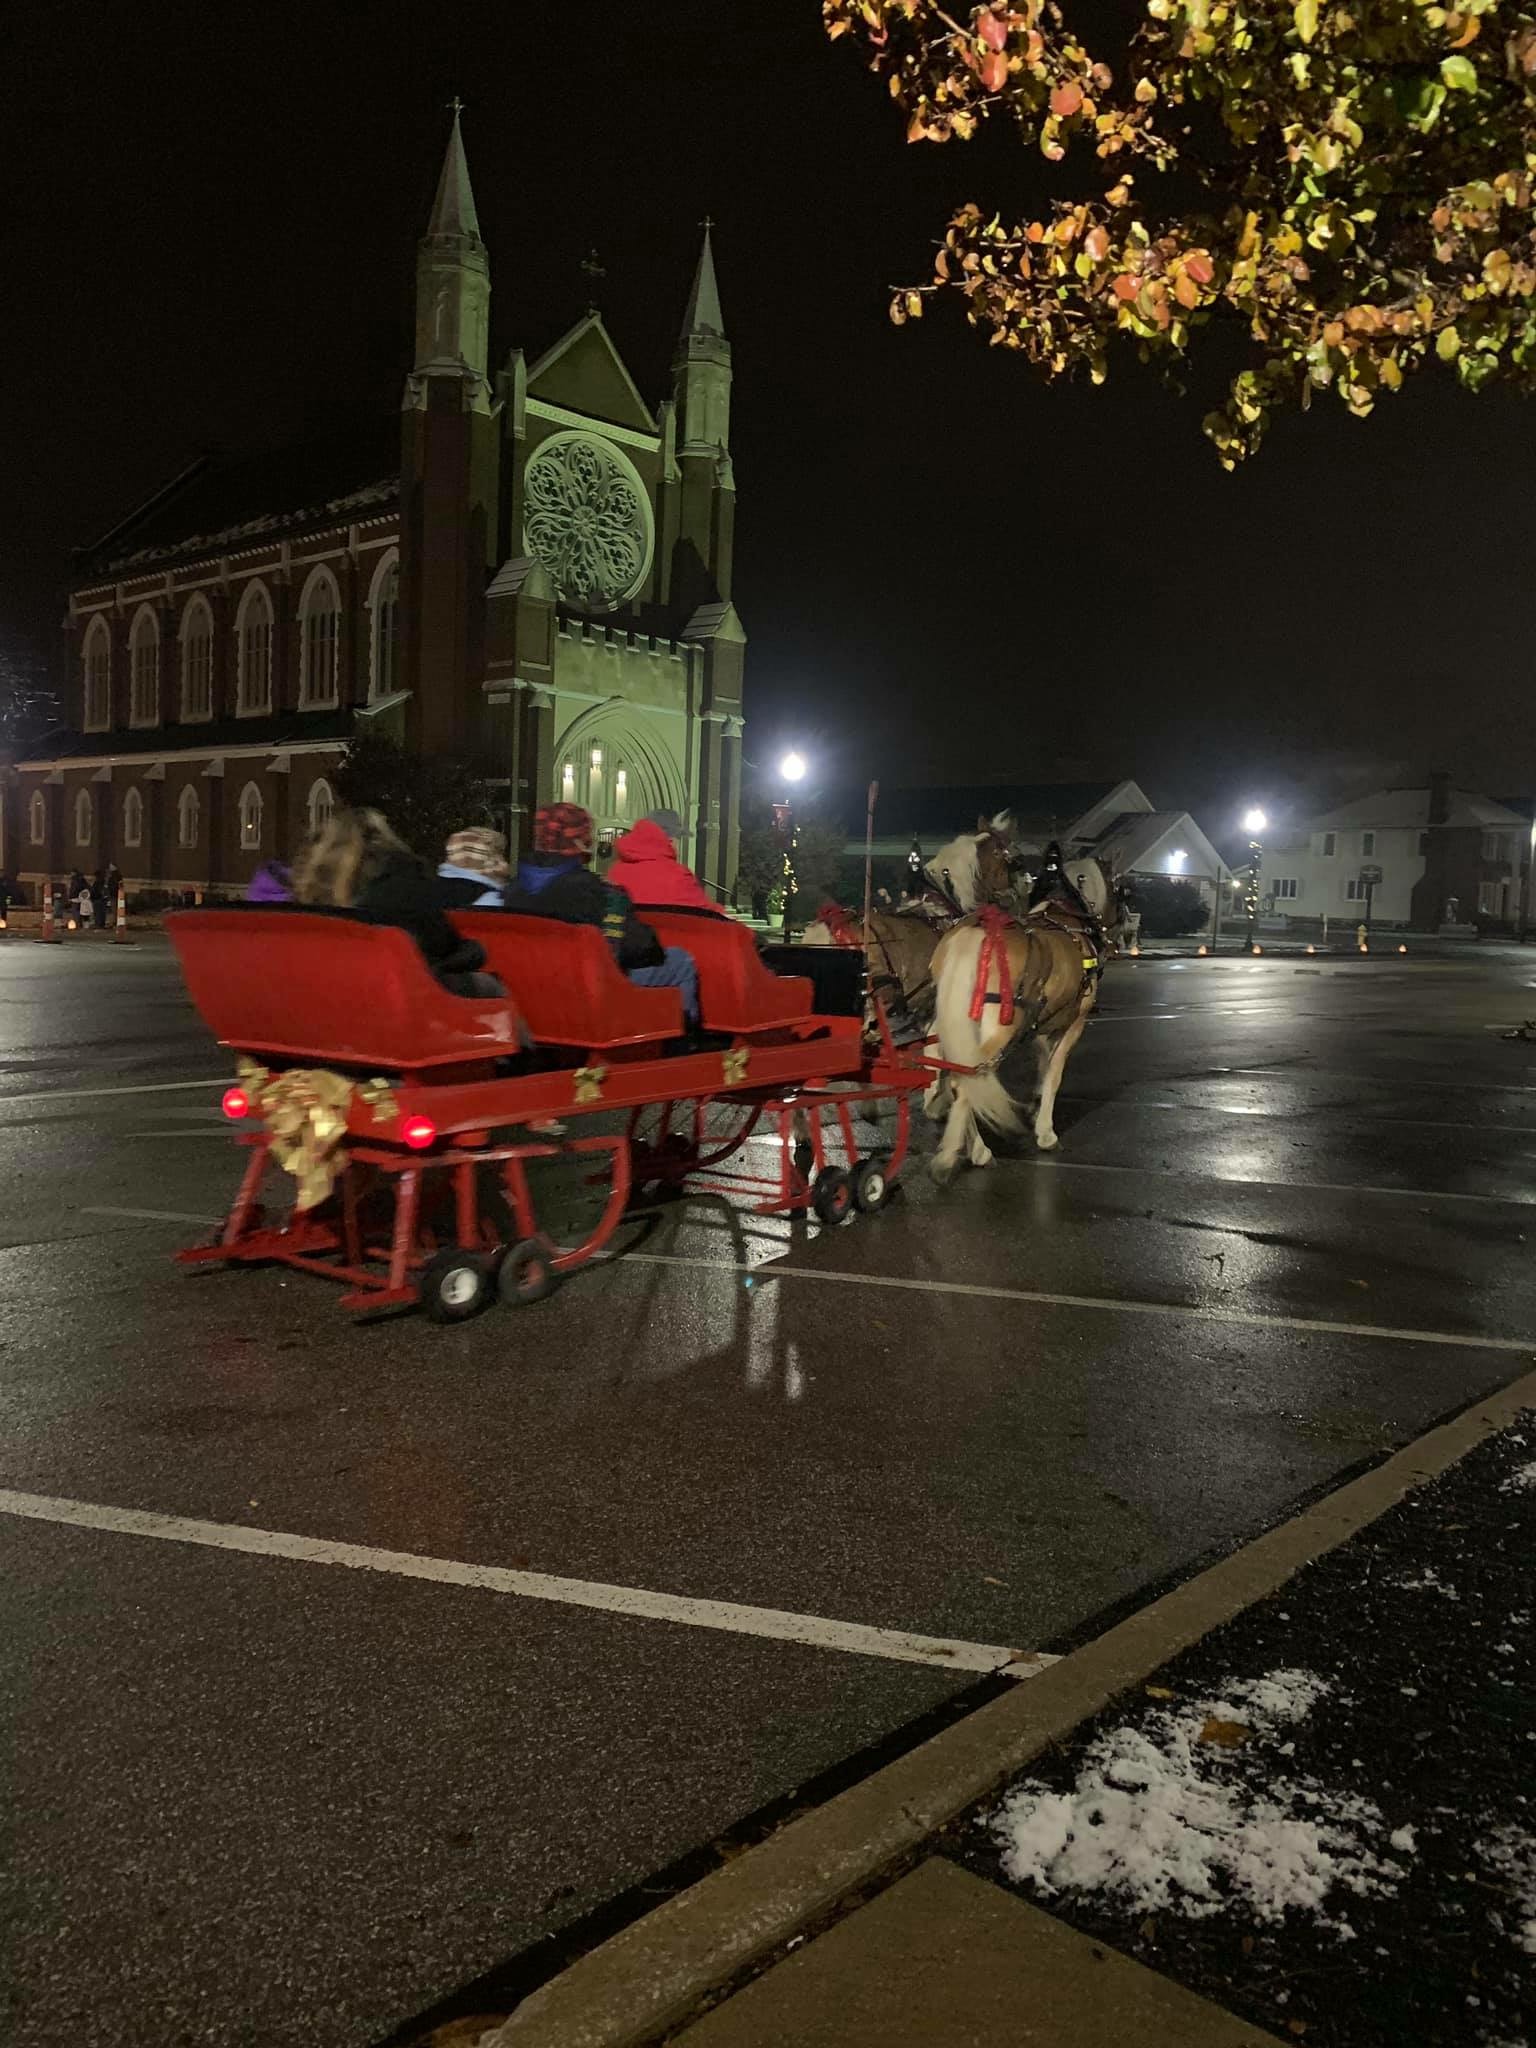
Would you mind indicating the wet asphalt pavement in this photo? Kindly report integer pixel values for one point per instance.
(258, 1802)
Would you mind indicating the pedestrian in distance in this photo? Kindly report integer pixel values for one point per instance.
(100, 899)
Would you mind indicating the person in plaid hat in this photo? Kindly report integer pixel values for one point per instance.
(479, 855)
(556, 880)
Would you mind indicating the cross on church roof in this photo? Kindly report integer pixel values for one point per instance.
(455, 106)
(707, 222)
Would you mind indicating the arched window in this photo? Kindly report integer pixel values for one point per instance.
(188, 818)
(85, 818)
(383, 640)
(133, 819)
(319, 633)
(144, 668)
(250, 818)
(37, 819)
(197, 660)
(253, 651)
(98, 676)
(322, 801)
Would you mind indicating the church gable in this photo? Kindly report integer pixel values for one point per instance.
(584, 373)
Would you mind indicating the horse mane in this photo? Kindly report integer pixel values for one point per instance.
(961, 857)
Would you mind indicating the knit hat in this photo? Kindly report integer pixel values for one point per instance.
(562, 828)
(479, 849)
(668, 821)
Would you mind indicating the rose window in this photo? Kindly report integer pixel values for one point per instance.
(587, 518)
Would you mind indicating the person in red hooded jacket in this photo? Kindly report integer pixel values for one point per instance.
(647, 869)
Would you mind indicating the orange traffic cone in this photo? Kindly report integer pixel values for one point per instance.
(50, 934)
(120, 935)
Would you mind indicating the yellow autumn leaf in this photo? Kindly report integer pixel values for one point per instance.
(1448, 346)
(1391, 375)
(1305, 13)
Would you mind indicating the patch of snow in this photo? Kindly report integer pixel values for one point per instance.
(1429, 1581)
(1504, 1649)
(1402, 1840)
(1521, 1480)
(1163, 1822)
(1510, 1853)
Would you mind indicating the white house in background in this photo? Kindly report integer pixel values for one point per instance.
(1433, 845)
(1145, 842)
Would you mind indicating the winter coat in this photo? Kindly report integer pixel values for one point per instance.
(564, 887)
(489, 892)
(271, 883)
(403, 893)
(647, 869)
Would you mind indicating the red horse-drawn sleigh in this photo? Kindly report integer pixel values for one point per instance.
(409, 1117)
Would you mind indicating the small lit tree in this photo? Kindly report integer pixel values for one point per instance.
(1349, 184)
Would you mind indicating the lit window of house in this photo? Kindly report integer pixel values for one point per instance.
(250, 818)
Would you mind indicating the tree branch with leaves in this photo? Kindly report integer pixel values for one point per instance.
(1362, 178)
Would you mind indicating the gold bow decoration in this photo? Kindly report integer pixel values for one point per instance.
(305, 1112)
(587, 1083)
(734, 1065)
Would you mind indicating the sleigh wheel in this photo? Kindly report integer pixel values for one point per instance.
(454, 1286)
(832, 1194)
(871, 1186)
(526, 1274)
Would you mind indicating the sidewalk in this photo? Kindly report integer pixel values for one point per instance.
(1293, 1799)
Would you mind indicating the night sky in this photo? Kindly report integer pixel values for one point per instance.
(948, 570)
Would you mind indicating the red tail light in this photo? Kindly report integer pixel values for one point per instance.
(236, 1102)
(418, 1132)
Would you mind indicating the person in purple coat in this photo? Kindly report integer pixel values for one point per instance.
(271, 883)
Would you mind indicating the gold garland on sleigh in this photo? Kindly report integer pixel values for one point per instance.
(305, 1111)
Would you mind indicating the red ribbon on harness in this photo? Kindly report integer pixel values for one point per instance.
(995, 926)
(839, 924)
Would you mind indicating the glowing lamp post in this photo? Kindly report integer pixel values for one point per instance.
(1254, 822)
(792, 772)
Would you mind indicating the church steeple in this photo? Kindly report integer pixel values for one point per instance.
(702, 366)
(453, 287)
(704, 316)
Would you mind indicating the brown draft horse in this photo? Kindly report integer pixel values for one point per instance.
(998, 979)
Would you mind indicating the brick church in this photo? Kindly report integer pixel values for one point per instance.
(531, 567)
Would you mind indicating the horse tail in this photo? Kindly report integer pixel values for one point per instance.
(978, 1097)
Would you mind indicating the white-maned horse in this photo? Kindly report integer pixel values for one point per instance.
(1048, 962)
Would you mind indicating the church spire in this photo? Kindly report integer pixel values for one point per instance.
(453, 286)
(453, 210)
(704, 316)
(702, 366)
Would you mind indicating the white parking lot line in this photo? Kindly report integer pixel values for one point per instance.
(727, 1616)
(1114, 1305)
(1191, 1312)
(95, 1094)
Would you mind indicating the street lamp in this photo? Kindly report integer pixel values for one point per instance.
(1254, 822)
(792, 770)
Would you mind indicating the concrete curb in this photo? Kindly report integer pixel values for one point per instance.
(655, 1974)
